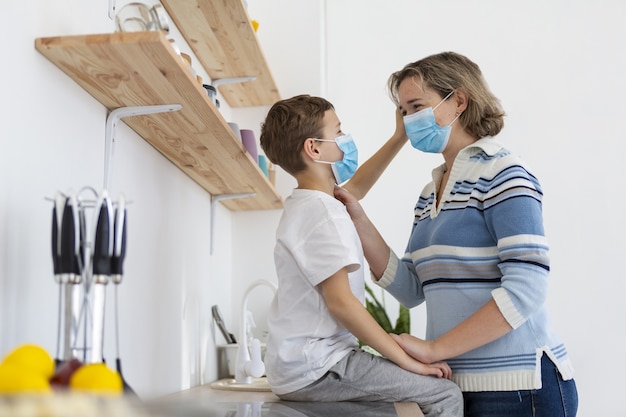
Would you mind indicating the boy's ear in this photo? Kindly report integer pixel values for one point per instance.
(310, 148)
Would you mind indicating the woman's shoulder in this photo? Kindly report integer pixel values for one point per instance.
(489, 152)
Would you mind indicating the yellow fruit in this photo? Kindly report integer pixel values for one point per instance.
(98, 378)
(16, 379)
(33, 358)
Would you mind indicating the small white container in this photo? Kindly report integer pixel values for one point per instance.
(228, 353)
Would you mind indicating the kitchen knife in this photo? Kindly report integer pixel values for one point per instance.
(119, 241)
(117, 271)
(70, 274)
(70, 241)
(57, 219)
(217, 316)
(102, 254)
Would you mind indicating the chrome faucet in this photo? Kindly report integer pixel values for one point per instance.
(249, 363)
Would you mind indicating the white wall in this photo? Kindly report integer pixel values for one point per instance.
(557, 67)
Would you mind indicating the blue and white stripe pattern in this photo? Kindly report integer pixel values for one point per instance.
(485, 240)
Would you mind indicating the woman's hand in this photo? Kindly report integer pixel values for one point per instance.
(484, 326)
(419, 349)
(352, 204)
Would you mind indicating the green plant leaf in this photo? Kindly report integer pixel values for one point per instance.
(374, 299)
(378, 312)
(380, 315)
(403, 324)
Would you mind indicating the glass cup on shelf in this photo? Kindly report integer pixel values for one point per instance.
(138, 17)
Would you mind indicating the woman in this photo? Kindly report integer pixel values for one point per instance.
(477, 253)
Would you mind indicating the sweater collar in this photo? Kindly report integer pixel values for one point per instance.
(487, 144)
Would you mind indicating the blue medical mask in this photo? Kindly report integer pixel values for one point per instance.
(343, 170)
(424, 132)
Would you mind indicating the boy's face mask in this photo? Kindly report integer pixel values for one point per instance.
(424, 132)
(343, 170)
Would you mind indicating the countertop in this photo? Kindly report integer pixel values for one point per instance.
(208, 402)
(202, 401)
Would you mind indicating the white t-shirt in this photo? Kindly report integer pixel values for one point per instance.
(314, 240)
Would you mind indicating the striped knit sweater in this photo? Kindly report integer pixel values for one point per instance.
(485, 240)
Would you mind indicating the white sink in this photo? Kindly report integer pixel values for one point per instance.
(229, 384)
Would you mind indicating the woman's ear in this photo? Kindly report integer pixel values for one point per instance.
(461, 100)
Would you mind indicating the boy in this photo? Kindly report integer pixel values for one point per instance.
(318, 312)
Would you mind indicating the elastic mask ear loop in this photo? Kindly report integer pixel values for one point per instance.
(444, 99)
(326, 140)
(454, 120)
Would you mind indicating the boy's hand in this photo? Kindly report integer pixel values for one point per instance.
(438, 369)
(400, 129)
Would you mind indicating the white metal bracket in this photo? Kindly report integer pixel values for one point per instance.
(232, 80)
(111, 9)
(111, 123)
(217, 198)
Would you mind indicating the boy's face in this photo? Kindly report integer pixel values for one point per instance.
(330, 131)
(332, 125)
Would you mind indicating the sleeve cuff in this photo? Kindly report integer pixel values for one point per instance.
(507, 308)
(390, 271)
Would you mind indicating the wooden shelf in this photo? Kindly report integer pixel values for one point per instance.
(142, 68)
(222, 38)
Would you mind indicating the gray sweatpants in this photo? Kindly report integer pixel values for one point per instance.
(361, 376)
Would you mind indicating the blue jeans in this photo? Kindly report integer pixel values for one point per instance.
(556, 398)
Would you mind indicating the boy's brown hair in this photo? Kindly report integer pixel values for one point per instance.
(287, 125)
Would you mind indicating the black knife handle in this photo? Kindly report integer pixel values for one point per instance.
(69, 243)
(56, 258)
(119, 247)
(102, 251)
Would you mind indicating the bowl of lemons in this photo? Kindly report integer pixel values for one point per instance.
(31, 380)
(29, 368)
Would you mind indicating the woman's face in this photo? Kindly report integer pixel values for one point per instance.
(413, 97)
